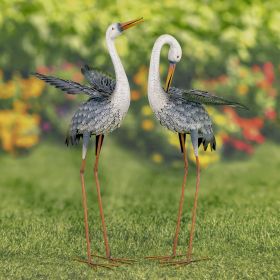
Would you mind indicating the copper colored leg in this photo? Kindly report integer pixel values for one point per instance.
(82, 170)
(175, 242)
(189, 260)
(180, 210)
(104, 229)
(189, 252)
(84, 200)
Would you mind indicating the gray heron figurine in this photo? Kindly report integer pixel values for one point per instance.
(103, 112)
(181, 111)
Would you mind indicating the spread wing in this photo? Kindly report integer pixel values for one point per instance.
(98, 80)
(203, 97)
(68, 86)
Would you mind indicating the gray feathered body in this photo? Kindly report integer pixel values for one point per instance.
(182, 111)
(183, 116)
(101, 113)
(97, 116)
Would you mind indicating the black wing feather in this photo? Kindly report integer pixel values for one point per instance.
(66, 85)
(98, 80)
(204, 97)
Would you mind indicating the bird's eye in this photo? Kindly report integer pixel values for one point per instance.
(177, 56)
(113, 28)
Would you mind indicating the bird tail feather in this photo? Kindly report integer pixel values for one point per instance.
(205, 141)
(73, 139)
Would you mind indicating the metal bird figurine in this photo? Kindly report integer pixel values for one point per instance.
(103, 112)
(182, 111)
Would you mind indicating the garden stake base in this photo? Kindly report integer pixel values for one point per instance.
(116, 260)
(164, 258)
(96, 265)
(182, 262)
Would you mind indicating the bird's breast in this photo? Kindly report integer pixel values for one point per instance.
(121, 101)
(157, 99)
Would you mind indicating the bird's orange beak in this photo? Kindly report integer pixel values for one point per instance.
(170, 74)
(131, 23)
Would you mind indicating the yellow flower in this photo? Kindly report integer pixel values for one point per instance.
(20, 106)
(220, 120)
(27, 131)
(146, 110)
(243, 72)
(147, 125)
(140, 78)
(173, 139)
(157, 158)
(135, 95)
(7, 141)
(7, 90)
(242, 89)
(32, 87)
(205, 157)
(7, 118)
(7, 125)
(211, 110)
(26, 141)
(18, 129)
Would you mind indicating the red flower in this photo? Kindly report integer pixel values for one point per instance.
(67, 66)
(272, 92)
(241, 146)
(256, 68)
(43, 70)
(250, 127)
(270, 114)
(222, 79)
(78, 77)
(268, 70)
(263, 84)
(253, 134)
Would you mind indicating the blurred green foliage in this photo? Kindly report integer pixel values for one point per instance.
(229, 48)
(211, 32)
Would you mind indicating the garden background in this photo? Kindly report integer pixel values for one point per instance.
(230, 48)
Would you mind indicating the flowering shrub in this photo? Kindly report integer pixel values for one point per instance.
(19, 122)
(253, 86)
(59, 107)
(25, 111)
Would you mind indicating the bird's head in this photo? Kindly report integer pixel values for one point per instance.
(174, 56)
(116, 29)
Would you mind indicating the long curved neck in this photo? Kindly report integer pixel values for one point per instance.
(156, 95)
(121, 78)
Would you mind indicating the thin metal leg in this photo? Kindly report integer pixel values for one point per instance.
(104, 229)
(189, 252)
(84, 199)
(189, 259)
(89, 262)
(182, 139)
(182, 198)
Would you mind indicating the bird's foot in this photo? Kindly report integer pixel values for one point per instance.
(185, 261)
(112, 260)
(96, 265)
(163, 258)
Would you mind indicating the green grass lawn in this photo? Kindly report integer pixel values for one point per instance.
(41, 217)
